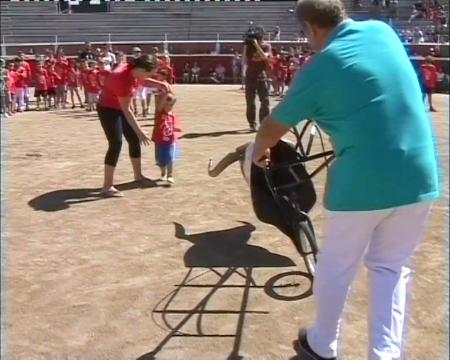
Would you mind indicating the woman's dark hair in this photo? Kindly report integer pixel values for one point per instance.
(147, 62)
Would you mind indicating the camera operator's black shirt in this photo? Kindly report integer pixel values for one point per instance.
(257, 70)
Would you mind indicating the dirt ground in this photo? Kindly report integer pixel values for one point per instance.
(180, 272)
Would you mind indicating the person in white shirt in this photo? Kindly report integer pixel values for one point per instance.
(109, 57)
(195, 73)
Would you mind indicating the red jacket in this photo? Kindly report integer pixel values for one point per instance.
(101, 77)
(166, 129)
(41, 80)
(21, 77)
(12, 77)
(52, 78)
(92, 85)
(430, 75)
(73, 77)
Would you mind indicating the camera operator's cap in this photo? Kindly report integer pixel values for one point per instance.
(137, 49)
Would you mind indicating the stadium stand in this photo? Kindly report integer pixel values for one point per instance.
(152, 21)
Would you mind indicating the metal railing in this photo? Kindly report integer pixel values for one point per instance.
(57, 41)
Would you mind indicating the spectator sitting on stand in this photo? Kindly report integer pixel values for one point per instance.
(195, 73)
(186, 72)
(212, 75)
(220, 73)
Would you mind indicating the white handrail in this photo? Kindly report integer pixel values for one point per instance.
(132, 42)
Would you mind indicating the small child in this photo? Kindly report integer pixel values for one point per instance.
(52, 79)
(21, 84)
(92, 86)
(11, 87)
(103, 72)
(3, 88)
(73, 83)
(61, 83)
(165, 136)
(41, 86)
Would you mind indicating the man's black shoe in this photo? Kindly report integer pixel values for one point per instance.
(305, 352)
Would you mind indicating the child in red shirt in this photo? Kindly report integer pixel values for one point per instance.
(165, 136)
(283, 69)
(84, 80)
(430, 76)
(103, 72)
(21, 84)
(41, 85)
(12, 77)
(73, 77)
(61, 82)
(52, 79)
(28, 71)
(92, 86)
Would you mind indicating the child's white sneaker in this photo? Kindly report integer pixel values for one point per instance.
(163, 178)
(171, 180)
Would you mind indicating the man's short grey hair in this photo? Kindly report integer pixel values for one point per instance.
(322, 13)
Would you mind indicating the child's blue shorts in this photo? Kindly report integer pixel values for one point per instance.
(166, 154)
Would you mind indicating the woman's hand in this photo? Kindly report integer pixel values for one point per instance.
(261, 159)
(164, 87)
(143, 138)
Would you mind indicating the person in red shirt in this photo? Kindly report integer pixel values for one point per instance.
(27, 67)
(12, 78)
(21, 84)
(275, 67)
(430, 77)
(52, 79)
(41, 85)
(117, 119)
(283, 69)
(61, 81)
(73, 82)
(83, 77)
(166, 133)
(103, 72)
(92, 85)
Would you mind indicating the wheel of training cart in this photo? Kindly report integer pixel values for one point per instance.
(289, 286)
(307, 245)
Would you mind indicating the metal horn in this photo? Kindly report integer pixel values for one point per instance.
(229, 159)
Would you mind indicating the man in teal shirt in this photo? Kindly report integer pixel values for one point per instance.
(362, 90)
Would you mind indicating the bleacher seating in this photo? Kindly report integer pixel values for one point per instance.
(25, 22)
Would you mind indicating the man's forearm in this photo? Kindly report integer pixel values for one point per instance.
(268, 135)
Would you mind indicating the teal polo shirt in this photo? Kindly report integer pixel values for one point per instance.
(362, 90)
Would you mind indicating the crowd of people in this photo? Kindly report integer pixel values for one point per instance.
(60, 81)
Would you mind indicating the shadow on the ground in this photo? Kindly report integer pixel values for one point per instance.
(222, 254)
(216, 134)
(62, 199)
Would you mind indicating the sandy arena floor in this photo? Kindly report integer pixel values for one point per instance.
(182, 272)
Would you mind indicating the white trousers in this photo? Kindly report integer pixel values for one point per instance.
(20, 98)
(385, 239)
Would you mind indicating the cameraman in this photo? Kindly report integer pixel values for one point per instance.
(256, 61)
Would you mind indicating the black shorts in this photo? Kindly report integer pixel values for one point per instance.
(40, 93)
(429, 90)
